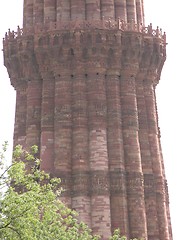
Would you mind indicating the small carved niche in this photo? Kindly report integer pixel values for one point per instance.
(40, 41)
(89, 39)
(56, 40)
(71, 52)
(98, 38)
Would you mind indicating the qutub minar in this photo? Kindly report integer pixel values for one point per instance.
(85, 73)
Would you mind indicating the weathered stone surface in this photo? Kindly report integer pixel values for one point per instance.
(85, 75)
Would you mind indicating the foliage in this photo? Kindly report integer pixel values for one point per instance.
(30, 207)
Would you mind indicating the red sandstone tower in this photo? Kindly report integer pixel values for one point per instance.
(85, 73)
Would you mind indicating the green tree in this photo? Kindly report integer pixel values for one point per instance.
(30, 207)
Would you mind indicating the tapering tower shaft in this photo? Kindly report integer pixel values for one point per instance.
(46, 11)
(85, 73)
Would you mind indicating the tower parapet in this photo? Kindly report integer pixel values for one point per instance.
(54, 27)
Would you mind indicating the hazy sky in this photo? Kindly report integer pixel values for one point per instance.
(160, 13)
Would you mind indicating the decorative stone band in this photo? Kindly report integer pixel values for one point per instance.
(134, 180)
(81, 183)
(97, 183)
(85, 183)
(87, 25)
(117, 180)
(149, 184)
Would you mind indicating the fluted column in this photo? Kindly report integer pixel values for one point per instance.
(33, 118)
(28, 13)
(163, 171)
(63, 10)
(93, 10)
(120, 10)
(38, 12)
(156, 159)
(135, 185)
(139, 10)
(63, 132)
(81, 200)
(47, 123)
(107, 9)
(98, 157)
(49, 11)
(78, 10)
(20, 116)
(142, 3)
(119, 211)
(24, 12)
(146, 160)
(131, 11)
(143, 126)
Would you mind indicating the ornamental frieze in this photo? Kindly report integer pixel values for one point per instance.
(99, 183)
(81, 183)
(149, 184)
(47, 119)
(63, 112)
(66, 183)
(160, 185)
(98, 109)
(79, 111)
(134, 182)
(117, 182)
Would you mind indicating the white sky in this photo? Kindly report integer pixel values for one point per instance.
(161, 13)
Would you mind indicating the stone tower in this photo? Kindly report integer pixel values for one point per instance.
(85, 73)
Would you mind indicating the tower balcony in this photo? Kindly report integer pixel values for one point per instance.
(104, 44)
